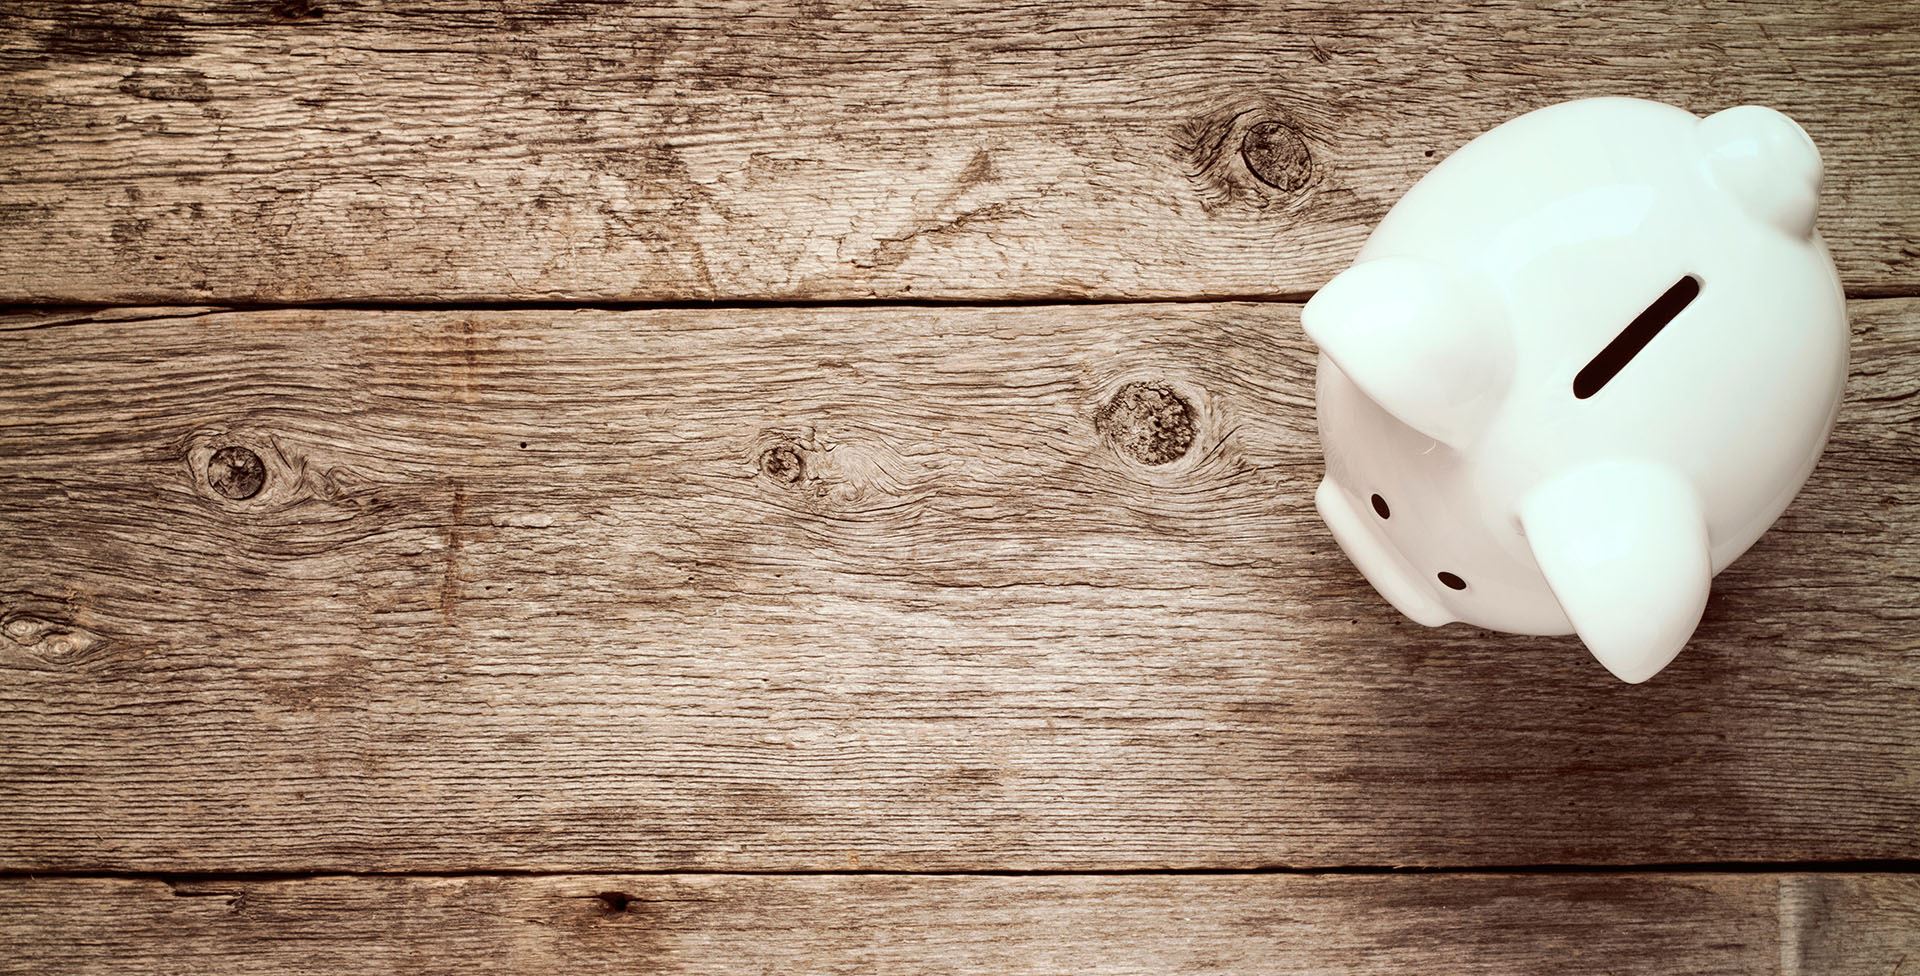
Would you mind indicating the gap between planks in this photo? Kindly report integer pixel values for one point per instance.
(1876, 866)
(588, 305)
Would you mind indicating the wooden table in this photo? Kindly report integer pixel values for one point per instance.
(598, 489)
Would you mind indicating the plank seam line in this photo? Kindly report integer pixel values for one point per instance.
(1869, 866)
(209, 307)
(80, 309)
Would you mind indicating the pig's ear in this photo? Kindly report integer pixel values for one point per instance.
(1624, 547)
(1402, 330)
(1765, 161)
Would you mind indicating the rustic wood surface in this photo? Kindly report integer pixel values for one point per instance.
(774, 589)
(308, 150)
(1737, 925)
(399, 634)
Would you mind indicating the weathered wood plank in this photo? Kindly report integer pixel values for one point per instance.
(783, 588)
(202, 150)
(1643, 924)
(1841, 923)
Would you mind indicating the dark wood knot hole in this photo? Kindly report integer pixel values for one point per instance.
(784, 464)
(236, 473)
(1148, 422)
(1277, 155)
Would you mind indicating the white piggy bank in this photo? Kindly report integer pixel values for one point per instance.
(1578, 369)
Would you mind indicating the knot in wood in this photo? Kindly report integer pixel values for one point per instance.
(1148, 422)
(784, 464)
(236, 472)
(52, 641)
(1277, 155)
(297, 10)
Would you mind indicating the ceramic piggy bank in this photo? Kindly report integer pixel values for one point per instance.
(1578, 369)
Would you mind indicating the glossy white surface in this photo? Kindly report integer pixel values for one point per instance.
(1450, 348)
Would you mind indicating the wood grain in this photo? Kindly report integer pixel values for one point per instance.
(309, 150)
(1795, 925)
(1838, 923)
(825, 588)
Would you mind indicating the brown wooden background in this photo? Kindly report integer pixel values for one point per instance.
(735, 487)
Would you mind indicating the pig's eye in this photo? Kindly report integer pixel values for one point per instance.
(1634, 338)
(1380, 507)
(1453, 582)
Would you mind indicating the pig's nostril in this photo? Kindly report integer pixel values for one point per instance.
(1380, 507)
(1453, 582)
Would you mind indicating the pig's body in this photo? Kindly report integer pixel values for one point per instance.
(1448, 385)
